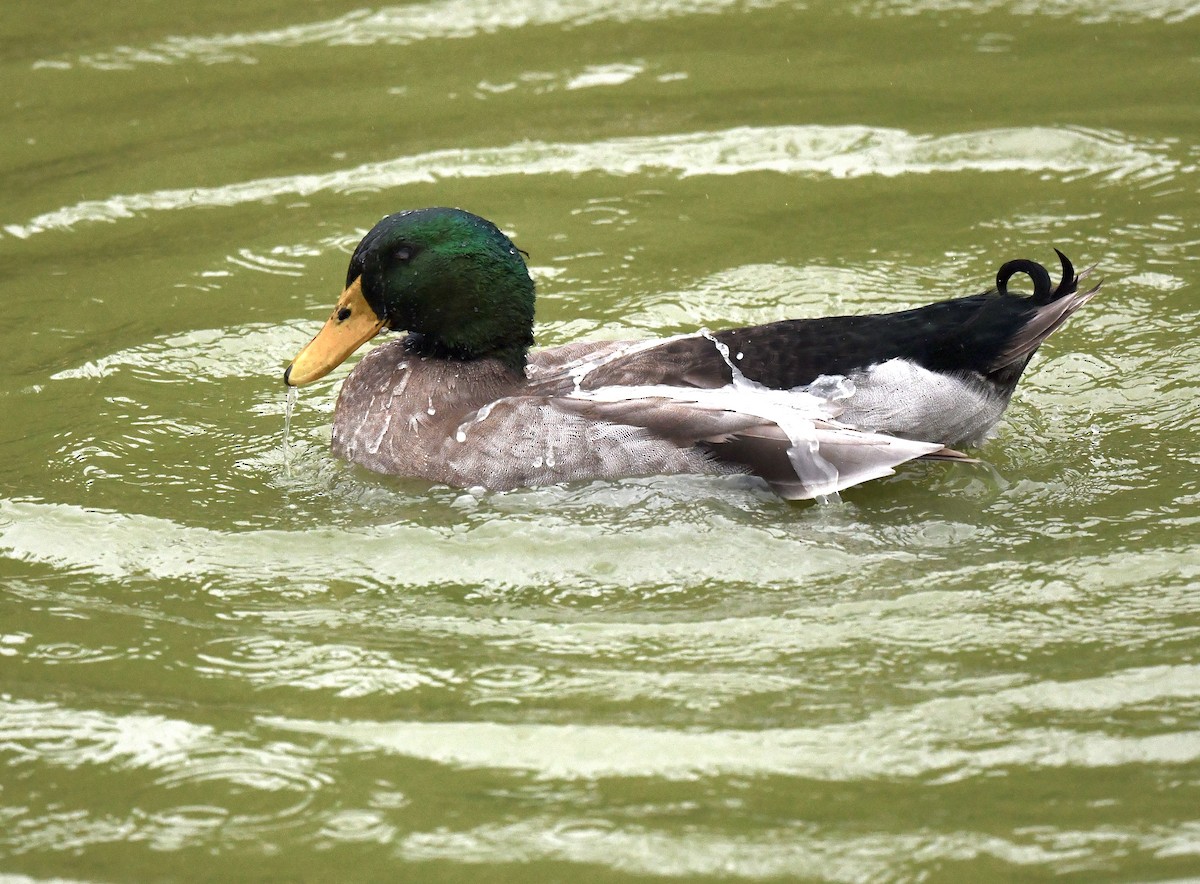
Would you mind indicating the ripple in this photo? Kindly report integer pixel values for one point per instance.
(459, 19)
(66, 737)
(697, 661)
(277, 768)
(950, 738)
(276, 781)
(68, 652)
(245, 351)
(356, 827)
(800, 852)
(1088, 12)
(275, 264)
(68, 831)
(345, 670)
(823, 151)
(493, 554)
(72, 737)
(812, 851)
(401, 26)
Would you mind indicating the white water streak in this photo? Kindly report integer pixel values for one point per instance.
(402, 26)
(939, 737)
(791, 853)
(458, 19)
(495, 554)
(818, 151)
(1088, 12)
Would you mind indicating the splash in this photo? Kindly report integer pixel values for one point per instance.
(805, 451)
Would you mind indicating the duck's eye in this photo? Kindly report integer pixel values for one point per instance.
(403, 253)
(343, 314)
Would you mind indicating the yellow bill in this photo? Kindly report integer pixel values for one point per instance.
(351, 325)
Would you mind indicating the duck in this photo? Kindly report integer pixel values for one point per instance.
(812, 406)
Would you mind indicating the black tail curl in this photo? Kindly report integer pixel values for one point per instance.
(1041, 278)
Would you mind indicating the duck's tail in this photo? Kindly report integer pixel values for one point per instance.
(1052, 309)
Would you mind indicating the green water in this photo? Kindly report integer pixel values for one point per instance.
(215, 667)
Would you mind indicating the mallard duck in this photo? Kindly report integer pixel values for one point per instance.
(812, 406)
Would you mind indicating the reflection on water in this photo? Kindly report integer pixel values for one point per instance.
(225, 657)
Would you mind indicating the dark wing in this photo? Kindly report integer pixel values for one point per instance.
(993, 334)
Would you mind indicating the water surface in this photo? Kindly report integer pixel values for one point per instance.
(218, 662)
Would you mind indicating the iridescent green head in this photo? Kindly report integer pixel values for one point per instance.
(451, 279)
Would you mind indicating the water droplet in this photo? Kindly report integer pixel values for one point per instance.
(375, 444)
(832, 387)
(292, 394)
(739, 379)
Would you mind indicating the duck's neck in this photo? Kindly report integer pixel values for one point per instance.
(482, 315)
(514, 357)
